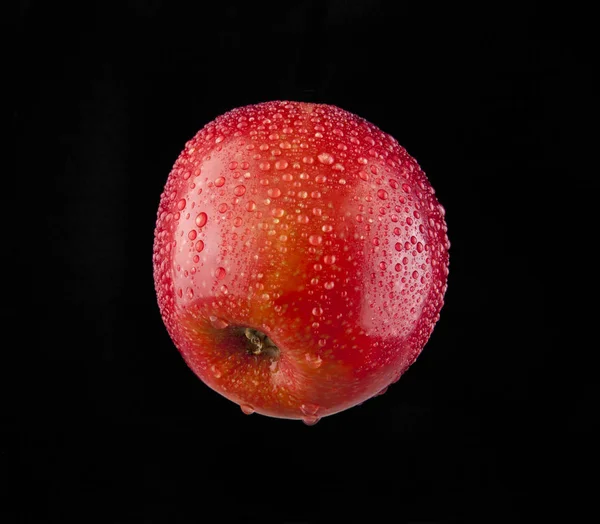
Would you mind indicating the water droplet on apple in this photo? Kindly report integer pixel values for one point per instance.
(220, 273)
(217, 323)
(201, 219)
(239, 190)
(247, 409)
(381, 392)
(219, 182)
(309, 408)
(310, 420)
(315, 240)
(326, 158)
(313, 361)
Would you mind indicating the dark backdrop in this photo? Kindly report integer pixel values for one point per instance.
(102, 419)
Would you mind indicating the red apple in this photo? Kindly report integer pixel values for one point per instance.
(300, 258)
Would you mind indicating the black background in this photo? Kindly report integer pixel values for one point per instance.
(102, 419)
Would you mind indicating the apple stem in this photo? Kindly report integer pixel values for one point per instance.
(260, 343)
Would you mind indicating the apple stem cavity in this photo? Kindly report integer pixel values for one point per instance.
(260, 344)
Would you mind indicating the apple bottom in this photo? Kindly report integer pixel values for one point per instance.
(283, 379)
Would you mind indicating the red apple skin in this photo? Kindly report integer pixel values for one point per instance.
(309, 224)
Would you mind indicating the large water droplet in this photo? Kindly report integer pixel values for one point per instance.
(309, 408)
(201, 219)
(326, 158)
(217, 323)
(313, 361)
(381, 392)
(247, 409)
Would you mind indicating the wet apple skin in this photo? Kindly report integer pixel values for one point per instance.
(314, 227)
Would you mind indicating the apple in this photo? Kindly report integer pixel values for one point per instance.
(300, 258)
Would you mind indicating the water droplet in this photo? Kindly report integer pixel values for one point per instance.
(310, 420)
(264, 166)
(317, 311)
(313, 361)
(326, 158)
(199, 246)
(320, 179)
(217, 323)
(233, 165)
(329, 259)
(251, 205)
(190, 293)
(382, 194)
(381, 392)
(309, 408)
(327, 228)
(329, 285)
(181, 204)
(247, 409)
(274, 192)
(222, 207)
(364, 176)
(315, 240)
(308, 160)
(398, 246)
(192, 234)
(201, 219)
(220, 273)
(281, 164)
(219, 182)
(239, 190)
(237, 222)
